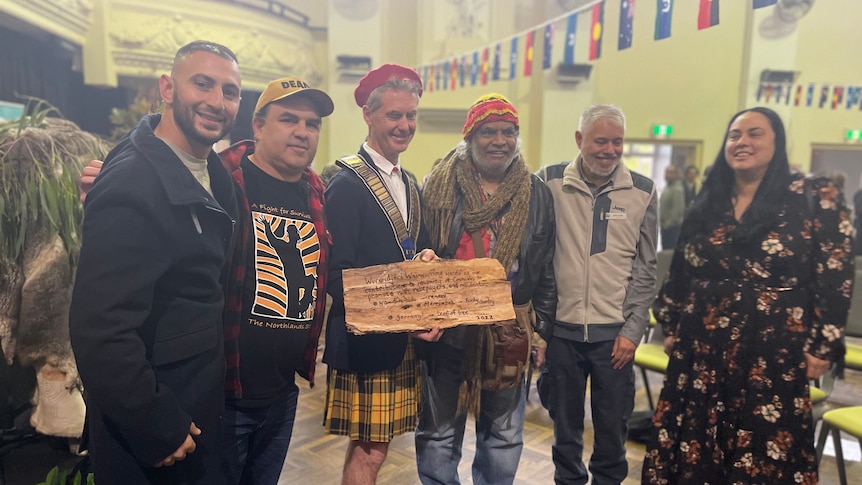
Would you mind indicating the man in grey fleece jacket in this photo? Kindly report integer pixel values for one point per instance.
(605, 270)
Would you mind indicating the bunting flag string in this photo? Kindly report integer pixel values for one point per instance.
(835, 96)
(453, 72)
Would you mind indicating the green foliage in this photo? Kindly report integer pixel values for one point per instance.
(126, 119)
(57, 477)
(41, 159)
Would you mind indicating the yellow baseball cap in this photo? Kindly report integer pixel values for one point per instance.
(292, 86)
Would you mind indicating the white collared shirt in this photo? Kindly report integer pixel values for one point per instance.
(391, 177)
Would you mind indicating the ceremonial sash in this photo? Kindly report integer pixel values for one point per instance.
(384, 199)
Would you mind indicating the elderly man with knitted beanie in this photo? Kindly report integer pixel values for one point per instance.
(483, 199)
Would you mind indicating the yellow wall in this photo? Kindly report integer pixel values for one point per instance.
(694, 80)
(829, 39)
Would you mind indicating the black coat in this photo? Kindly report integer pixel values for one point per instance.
(361, 236)
(535, 260)
(146, 312)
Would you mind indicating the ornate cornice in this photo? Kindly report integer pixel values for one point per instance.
(60, 16)
(147, 47)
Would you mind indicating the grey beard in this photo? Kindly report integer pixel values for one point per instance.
(480, 162)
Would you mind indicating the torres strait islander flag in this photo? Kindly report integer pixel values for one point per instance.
(707, 16)
(663, 19)
(596, 31)
(571, 28)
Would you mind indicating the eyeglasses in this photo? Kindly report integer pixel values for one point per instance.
(508, 133)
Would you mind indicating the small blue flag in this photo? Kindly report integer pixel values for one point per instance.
(662, 19)
(474, 69)
(513, 58)
(571, 28)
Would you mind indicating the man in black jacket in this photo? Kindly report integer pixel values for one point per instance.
(482, 193)
(146, 311)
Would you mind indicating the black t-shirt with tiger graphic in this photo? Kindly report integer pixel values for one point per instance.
(280, 288)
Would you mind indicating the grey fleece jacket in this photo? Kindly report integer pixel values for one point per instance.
(605, 259)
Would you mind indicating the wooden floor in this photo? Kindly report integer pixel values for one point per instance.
(315, 458)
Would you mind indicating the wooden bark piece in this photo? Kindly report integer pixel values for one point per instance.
(415, 295)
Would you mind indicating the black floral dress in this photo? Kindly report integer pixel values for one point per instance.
(735, 406)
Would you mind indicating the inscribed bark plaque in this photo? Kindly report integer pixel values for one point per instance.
(416, 295)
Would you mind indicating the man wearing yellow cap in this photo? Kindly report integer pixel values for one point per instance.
(482, 201)
(372, 392)
(274, 301)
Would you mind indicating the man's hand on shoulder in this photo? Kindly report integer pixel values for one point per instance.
(88, 176)
(184, 450)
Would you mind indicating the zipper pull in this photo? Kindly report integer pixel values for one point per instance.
(195, 219)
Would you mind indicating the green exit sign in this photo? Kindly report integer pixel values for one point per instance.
(662, 130)
(854, 135)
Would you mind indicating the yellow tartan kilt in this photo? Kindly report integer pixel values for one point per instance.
(373, 406)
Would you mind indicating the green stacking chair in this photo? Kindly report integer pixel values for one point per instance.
(848, 420)
(651, 356)
(650, 353)
(853, 357)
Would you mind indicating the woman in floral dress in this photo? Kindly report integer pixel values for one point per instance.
(754, 307)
